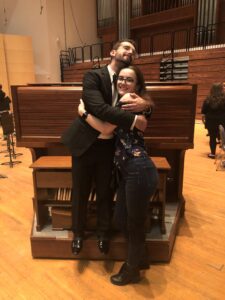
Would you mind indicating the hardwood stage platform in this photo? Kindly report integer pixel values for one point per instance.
(49, 243)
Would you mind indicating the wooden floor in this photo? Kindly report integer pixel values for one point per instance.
(196, 270)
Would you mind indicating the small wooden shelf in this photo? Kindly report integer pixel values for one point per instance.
(52, 162)
(52, 183)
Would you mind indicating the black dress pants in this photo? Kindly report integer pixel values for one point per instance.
(213, 134)
(95, 165)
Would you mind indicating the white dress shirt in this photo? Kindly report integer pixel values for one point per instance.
(114, 100)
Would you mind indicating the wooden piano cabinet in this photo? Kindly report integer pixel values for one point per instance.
(43, 111)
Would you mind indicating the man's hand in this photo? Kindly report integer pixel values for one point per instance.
(203, 119)
(81, 108)
(132, 102)
(141, 123)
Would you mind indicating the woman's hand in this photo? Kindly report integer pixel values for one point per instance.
(81, 108)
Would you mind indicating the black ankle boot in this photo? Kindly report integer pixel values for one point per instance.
(143, 265)
(127, 274)
(77, 245)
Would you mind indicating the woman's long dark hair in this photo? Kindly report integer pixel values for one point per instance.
(141, 87)
(216, 99)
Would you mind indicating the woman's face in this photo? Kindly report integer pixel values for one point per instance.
(126, 82)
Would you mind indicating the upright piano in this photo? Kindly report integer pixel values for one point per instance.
(43, 111)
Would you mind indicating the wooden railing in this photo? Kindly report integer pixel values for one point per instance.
(140, 8)
(107, 9)
(179, 40)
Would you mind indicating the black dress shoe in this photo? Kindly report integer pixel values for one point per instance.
(103, 245)
(126, 275)
(77, 245)
(144, 265)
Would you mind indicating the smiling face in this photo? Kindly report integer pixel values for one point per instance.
(124, 53)
(126, 82)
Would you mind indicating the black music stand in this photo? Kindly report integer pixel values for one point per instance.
(8, 131)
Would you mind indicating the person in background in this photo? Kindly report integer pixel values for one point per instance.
(4, 101)
(138, 179)
(92, 151)
(213, 110)
(4, 104)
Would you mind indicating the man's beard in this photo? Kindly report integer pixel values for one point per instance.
(123, 63)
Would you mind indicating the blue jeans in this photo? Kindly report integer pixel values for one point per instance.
(139, 179)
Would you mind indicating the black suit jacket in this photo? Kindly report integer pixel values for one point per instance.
(97, 97)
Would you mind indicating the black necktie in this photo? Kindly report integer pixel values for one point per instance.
(114, 80)
(114, 94)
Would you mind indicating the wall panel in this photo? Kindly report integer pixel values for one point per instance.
(3, 69)
(16, 61)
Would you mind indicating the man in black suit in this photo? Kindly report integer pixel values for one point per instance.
(92, 153)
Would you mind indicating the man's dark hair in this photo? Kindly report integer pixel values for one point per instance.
(119, 42)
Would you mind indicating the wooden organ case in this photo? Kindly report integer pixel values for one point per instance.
(43, 111)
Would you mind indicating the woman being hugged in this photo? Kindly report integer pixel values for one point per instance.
(213, 110)
(137, 181)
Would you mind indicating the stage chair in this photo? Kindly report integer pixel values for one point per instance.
(220, 157)
(8, 131)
